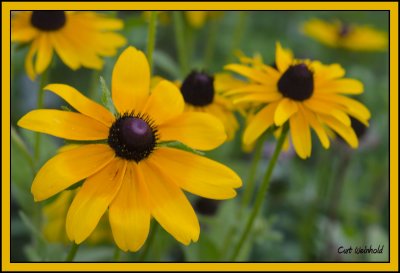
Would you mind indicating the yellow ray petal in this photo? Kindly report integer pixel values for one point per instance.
(65, 49)
(196, 18)
(259, 123)
(283, 58)
(29, 60)
(169, 206)
(202, 176)
(69, 167)
(342, 86)
(252, 89)
(346, 132)
(322, 31)
(23, 34)
(317, 126)
(198, 130)
(68, 125)
(301, 135)
(130, 80)
(319, 106)
(93, 199)
(258, 97)
(326, 72)
(82, 103)
(285, 109)
(251, 73)
(129, 212)
(45, 52)
(166, 102)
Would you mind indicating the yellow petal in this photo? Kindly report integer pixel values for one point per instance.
(259, 123)
(286, 108)
(342, 86)
(251, 73)
(93, 199)
(23, 34)
(29, 60)
(198, 130)
(69, 167)
(130, 80)
(202, 176)
(283, 58)
(346, 132)
(326, 72)
(45, 52)
(322, 31)
(252, 89)
(196, 18)
(65, 49)
(224, 82)
(68, 125)
(129, 212)
(166, 102)
(317, 126)
(82, 103)
(258, 97)
(319, 106)
(169, 206)
(301, 135)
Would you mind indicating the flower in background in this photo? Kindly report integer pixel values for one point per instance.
(348, 36)
(307, 94)
(205, 93)
(195, 19)
(78, 38)
(130, 169)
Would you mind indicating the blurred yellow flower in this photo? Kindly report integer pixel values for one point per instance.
(130, 169)
(307, 94)
(195, 19)
(78, 38)
(349, 36)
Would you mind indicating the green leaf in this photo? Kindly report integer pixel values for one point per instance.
(28, 223)
(180, 146)
(106, 96)
(166, 63)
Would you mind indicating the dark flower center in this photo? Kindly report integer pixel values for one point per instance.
(48, 20)
(133, 137)
(344, 30)
(198, 89)
(297, 82)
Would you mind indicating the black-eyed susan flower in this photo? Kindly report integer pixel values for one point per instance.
(127, 169)
(78, 38)
(348, 36)
(307, 94)
(205, 93)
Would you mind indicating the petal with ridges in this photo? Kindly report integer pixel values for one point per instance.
(317, 126)
(319, 106)
(130, 80)
(68, 125)
(346, 132)
(342, 86)
(197, 130)
(283, 58)
(169, 206)
(81, 103)
(165, 102)
(45, 52)
(249, 72)
(69, 167)
(29, 60)
(129, 213)
(202, 176)
(93, 199)
(301, 135)
(260, 123)
(65, 49)
(285, 109)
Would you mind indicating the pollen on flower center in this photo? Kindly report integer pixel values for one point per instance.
(297, 82)
(198, 89)
(133, 137)
(48, 20)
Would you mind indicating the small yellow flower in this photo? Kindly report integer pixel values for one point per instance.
(78, 38)
(305, 93)
(128, 169)
(205, 93)
(348, 36)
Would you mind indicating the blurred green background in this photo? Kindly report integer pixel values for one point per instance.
(338, 197)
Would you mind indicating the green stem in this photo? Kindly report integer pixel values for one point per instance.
(117, 254)
(210, 44)
(40, 101)
(151, 38)
(253, 170)
(149, 243)
(180, 42)
(238, 33)
(261, 193)
(72, 252)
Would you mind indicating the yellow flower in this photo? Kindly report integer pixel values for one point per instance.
(204, 93)
(128, 169)
(78, 38)
(348, 36)
(305, 93)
